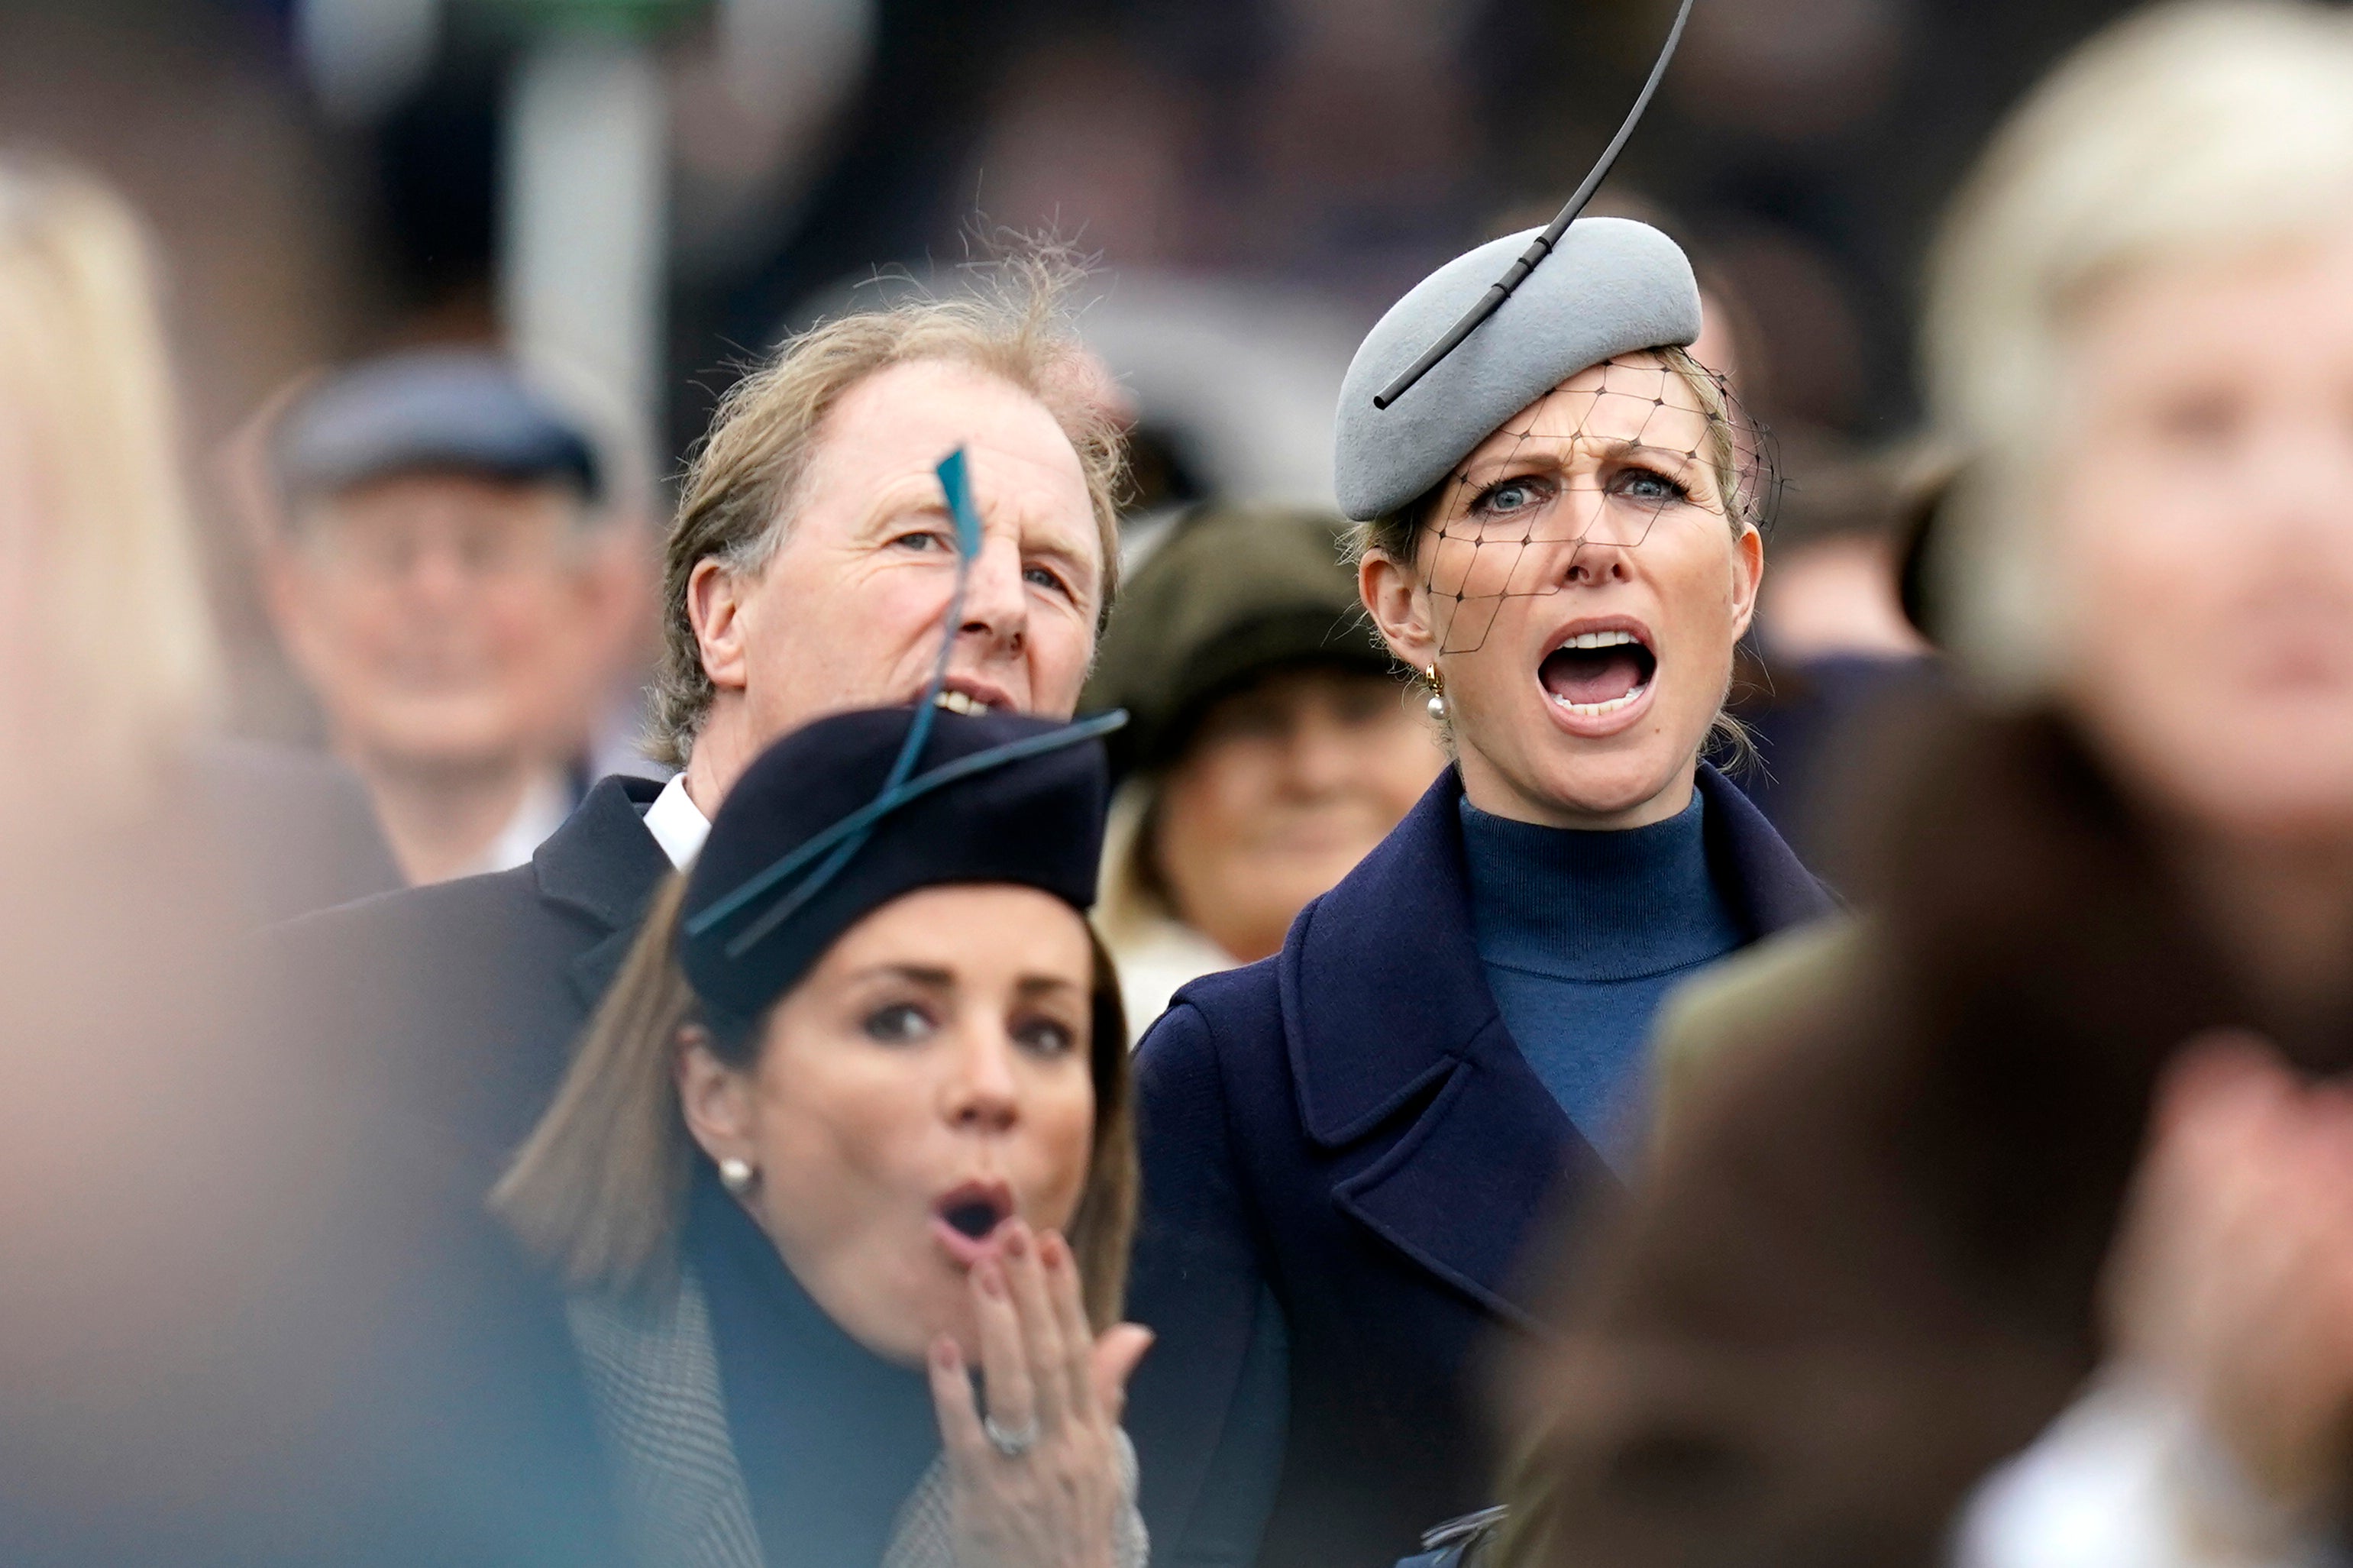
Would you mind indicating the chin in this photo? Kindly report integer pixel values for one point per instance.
(1613, 777)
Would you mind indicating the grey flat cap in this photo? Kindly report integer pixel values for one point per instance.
(431, 408)
(1611, 286)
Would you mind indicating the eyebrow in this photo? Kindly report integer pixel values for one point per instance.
(926, 975)
(1500, 467)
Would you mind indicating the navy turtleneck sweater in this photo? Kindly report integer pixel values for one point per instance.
(1582, 934)
(830, 1437)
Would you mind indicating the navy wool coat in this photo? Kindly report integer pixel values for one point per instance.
(1343, 1147)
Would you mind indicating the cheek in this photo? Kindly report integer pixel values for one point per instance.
(1698, 582)
(835, 1146)
(2129, 591)
(1061, 645)
(1062, 1125)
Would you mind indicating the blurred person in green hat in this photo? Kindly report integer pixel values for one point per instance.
(1273, 743)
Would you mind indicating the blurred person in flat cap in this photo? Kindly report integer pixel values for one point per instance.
(451, 576)
(806, 573)
(1270, 743)
(2014, 1225)
(832, 1146)
(1347, 1146)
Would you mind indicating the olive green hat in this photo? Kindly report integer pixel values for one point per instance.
(1228, 592)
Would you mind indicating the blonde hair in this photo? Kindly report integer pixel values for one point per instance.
(598, 1189)
(742, 482)
(129, 664)
(2190, 131)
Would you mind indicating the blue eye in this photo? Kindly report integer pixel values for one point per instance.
(1650, 485)
(1048, 578)
(1507, 496)
(900, 1023)
(921, 542)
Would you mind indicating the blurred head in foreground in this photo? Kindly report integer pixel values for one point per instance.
(445, 576)
(2006, 1089)
(107, 657)
(2141, 316)
(1272, 743)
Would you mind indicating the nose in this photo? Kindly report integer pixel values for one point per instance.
(996, 600)
(980, 1093)
(436, 577)
(1599, 559)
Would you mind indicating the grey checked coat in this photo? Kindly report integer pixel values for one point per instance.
(653, 1376)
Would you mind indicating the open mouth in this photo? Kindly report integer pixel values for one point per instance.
(1595, 674)
(959, 702)
(975, 1209)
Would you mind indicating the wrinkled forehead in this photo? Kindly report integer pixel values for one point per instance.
(1634, 400)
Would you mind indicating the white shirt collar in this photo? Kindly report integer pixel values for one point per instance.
(677, 823)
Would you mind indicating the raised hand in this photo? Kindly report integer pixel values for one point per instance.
(2232, 1281)
(1038, 1480)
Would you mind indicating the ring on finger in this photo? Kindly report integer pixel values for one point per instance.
(1011, 1444)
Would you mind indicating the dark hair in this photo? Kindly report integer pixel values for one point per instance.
(599, 1188)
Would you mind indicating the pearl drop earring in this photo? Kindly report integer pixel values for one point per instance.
(1437, 695)
(735, 1175)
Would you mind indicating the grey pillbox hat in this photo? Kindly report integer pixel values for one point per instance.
(1611, 286)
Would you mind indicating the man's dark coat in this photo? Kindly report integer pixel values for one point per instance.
(444, 1018)
(1348, 1128)
(467, 997)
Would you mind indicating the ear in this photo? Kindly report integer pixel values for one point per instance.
(716, 1099)
(714, 607)
(1394, 597)
(1747, 576)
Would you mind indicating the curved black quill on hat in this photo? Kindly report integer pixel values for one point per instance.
(756, 918)
(1542, 245)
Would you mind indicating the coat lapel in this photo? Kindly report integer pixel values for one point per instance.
(1770, 888)
(602, 864)
(1392, 1032)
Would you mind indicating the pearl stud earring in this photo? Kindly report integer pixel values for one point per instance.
(735, 1175)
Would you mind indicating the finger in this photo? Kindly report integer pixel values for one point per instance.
(960, 1432)
(1042, 1339)
(1004, 1363)
(1071, 1322)
(1116, 1356)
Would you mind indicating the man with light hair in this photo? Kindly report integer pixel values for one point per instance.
(806, 573)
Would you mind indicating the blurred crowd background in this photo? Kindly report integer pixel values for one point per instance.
(638, 196)
(449, 291)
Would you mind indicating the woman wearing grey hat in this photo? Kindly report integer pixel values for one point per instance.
(1347, 1147)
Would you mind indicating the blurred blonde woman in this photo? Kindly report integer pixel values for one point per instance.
(109, 676)
(110, 662)
(2052, 1147)
(142, 1111)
